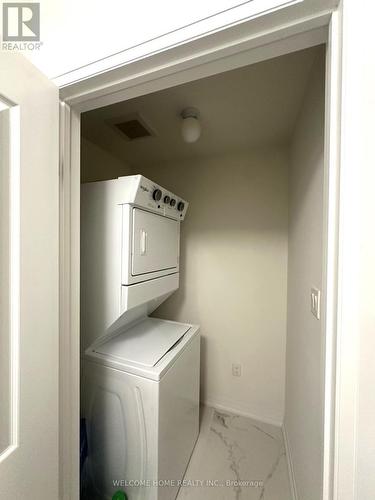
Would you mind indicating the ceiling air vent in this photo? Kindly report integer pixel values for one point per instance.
(131, 127)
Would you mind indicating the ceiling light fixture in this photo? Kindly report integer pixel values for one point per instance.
(190, 127)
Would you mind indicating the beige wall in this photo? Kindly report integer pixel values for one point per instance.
(98, 165)
(233, 279)
(234, 256)
(234, 263)
(356, 423)
(304, 357)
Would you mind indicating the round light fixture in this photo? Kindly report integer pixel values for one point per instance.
(191, 127)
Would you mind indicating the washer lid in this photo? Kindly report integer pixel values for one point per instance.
(145, 343)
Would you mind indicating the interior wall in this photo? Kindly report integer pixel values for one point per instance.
(132, 33)
(99, 165)
(305, 342)
(233, 274)
(234, 262)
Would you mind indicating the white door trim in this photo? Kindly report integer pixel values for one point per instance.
(69, 382)
(243, 17)
(195, 60)
(331, 229)
(153, 73)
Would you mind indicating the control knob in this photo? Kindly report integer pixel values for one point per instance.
(157, 194)
(181, 206)
(167, 199)
(172, 202)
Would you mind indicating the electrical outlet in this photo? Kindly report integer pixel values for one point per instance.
(315, 302)
(236, 369)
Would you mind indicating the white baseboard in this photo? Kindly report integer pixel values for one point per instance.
(292, 479)
(244, 412)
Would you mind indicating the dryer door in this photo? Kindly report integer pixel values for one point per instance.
(155, 243)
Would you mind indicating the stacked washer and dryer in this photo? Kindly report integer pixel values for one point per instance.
(140, 375)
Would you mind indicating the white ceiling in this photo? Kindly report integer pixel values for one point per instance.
(248, 107)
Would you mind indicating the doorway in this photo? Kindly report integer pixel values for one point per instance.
(76, 172)
(252, 248)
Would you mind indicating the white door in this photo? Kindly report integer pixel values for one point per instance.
(155, 242)
(29, 281)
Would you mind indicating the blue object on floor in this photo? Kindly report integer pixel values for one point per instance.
(83, 453)
(84, 447)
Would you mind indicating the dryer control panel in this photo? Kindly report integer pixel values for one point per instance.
(142, 192)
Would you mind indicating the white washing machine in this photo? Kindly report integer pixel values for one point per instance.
(141, 399)
(140, 375)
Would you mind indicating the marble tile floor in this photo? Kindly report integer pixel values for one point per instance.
(236, 458)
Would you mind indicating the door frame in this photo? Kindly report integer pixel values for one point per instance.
(167, 69)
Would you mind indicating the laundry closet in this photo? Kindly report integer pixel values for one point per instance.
(239, 278)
